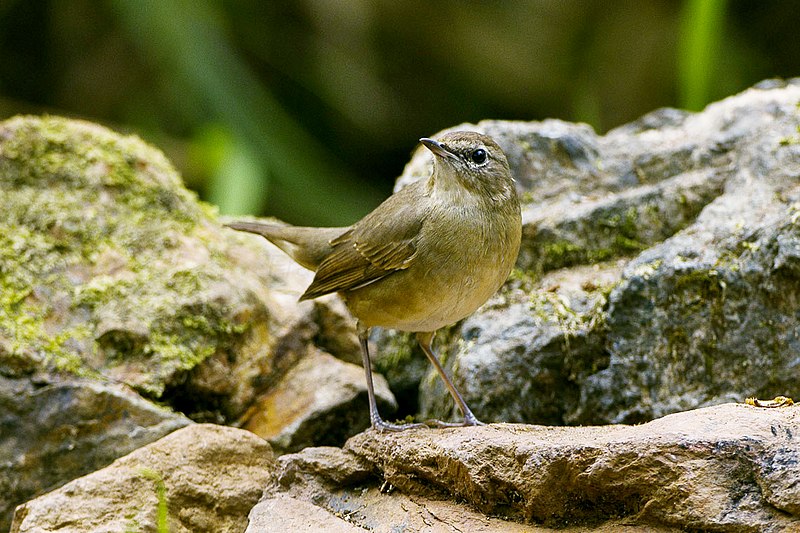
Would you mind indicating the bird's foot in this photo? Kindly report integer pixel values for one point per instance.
(469, 420)
(382, 426)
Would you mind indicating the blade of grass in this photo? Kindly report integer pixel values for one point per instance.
(162, 510)
(701, 30)
(225, 155)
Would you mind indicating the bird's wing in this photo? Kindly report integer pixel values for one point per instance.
(383, 242)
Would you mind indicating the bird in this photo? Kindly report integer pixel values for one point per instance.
(425, 258)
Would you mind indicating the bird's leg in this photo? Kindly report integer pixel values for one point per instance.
(375, 418)
(425, 340)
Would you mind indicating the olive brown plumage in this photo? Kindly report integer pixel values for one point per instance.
(427, 257)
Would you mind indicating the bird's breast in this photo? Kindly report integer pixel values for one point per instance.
(463, 256)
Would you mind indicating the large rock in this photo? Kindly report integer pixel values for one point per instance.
(725, 468)
(678, 239)
(200, 478)
(112, 269)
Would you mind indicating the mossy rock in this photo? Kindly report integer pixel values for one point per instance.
(110, 268)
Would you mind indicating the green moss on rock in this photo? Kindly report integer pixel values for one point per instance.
(107, 263)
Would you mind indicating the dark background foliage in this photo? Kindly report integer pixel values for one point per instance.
(307, 109)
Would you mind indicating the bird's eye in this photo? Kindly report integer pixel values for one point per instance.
(478, 156)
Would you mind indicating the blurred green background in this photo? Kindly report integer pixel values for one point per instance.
(308, 109)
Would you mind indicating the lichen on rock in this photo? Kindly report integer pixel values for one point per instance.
(108, 264)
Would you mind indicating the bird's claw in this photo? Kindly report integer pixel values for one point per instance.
(382, 426)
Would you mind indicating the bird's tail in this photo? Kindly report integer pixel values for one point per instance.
(307, 246)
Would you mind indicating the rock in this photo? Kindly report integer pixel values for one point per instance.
(321, 401)
(730, 467)
(200, 478)
(337, 329)
(725, 468)
(372, 510)
(282, 513)
(112, 269)
(691, 223)
(327, 465)
(519, 358)
(711, 312)
(53, 432)
(336, 490)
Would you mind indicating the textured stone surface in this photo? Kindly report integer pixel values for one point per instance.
(347, 497)
(372, 510)
(112, 269)
(692, 223)
(725, 468)
(321, 401)
(200, 478)
(53, 432)
(281, 513)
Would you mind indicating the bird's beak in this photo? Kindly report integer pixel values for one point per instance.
(438, 148)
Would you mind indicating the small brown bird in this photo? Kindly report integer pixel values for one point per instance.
(428, 256)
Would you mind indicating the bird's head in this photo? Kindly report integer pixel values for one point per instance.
(471, 161)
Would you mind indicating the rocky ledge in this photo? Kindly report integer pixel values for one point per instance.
(730, 467)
